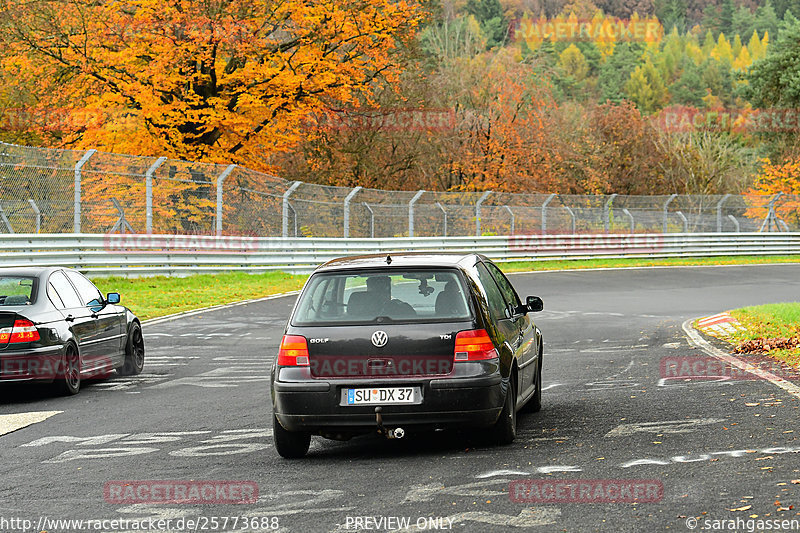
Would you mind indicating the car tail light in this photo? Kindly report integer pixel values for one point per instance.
(474, 345)
(293, 351)
(22, 331)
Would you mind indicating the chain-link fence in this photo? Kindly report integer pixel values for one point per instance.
(62, 191)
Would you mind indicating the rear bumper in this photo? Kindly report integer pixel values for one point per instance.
(45, 364)
(448, 402)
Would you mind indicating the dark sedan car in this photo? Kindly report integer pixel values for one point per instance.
(55, 325)
(406, 341)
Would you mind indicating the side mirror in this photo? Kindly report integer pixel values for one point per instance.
(112, 298)
(534, 304)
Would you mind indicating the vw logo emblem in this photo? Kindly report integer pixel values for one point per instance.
(379, 339)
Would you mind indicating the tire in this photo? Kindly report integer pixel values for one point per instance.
(290, 444)
(535, 403)
(134, 352)
(69, 384)
(505, 429)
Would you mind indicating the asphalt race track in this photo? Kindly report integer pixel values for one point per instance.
(715, 449)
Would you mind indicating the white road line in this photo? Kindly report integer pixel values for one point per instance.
(700, 342)
(493, 473)
(666, 426)
(551, 386)
(13, 422)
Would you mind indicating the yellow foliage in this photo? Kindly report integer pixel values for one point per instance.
(213, 81)
(777, 178)
(743, 61)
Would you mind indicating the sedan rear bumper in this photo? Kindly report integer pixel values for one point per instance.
(45, 363)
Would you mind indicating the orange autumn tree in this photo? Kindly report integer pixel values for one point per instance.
(775, 178)
(216, 81)
(505, 138)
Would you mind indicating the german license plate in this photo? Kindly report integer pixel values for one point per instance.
(382, 395)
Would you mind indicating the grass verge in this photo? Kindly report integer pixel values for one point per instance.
(160, 295)
(524, 266)
(770, 324)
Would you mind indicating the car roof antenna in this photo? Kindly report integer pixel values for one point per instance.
(388, 259)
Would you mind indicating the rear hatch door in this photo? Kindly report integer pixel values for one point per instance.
(383, 350)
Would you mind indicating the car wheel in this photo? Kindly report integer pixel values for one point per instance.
(134, 352)
(290, 444)
(505, 429)
(70, 382)
(535, 404)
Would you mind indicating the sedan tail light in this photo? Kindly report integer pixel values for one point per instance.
(474, 345)
(23, 330)
(293, 351)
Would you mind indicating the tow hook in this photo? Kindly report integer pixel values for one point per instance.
(396, 433)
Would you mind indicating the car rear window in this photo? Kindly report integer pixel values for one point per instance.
(16, 290)
(377, 296)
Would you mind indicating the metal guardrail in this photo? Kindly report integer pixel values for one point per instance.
(144, 255)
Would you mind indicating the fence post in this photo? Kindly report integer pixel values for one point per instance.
(735, 222)
(440, 206)
(544, 214)
(510, 212)
(666, 205)
(347, 200)
(220, 180)
(38, 215)
(371, 219)
(5, 220)
(478, 212)
(685, 221)
(572, 216)
(148, 185)
(76, 219)
(771, 215)
(411, 212)
(719, 212)
(122, 223)
(630, 216)
(607, 213)
(285, 220)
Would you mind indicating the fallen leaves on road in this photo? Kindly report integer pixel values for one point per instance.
(745, 508)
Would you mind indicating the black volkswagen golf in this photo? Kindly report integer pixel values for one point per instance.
(389, 343)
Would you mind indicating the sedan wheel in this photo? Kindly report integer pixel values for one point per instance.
(70, 382)
(505, 429)
(134, 352)
(290, 444)
(536, 401)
